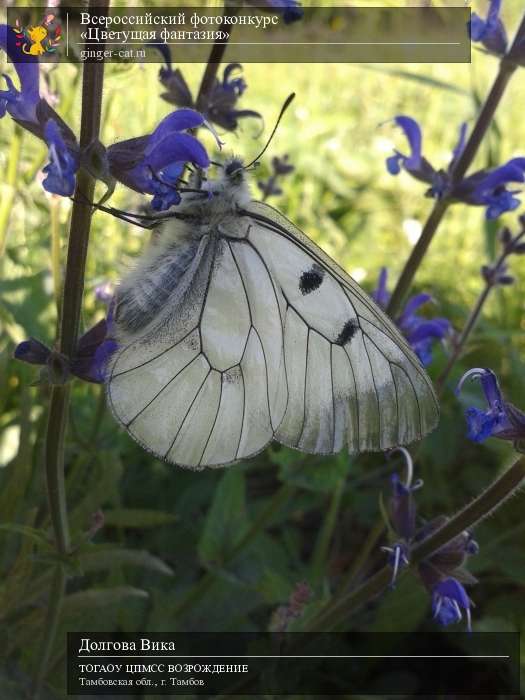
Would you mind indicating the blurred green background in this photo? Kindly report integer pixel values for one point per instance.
(221, 550)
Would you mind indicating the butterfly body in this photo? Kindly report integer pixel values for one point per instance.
(236, 329)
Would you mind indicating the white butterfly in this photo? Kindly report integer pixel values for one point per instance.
(235, 329)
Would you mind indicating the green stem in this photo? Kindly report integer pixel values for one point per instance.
(338, 611)
(56, 262)
(56, 598)
(322, 545)
(212, 66)
(357, 569)
(8, 198)
(472, 320)
(92, 81)
(506, 70)
(54, 461)
(265, 516)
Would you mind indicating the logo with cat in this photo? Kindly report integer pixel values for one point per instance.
(39, 39)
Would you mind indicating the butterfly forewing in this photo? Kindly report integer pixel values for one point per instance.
(380, 395)
(265, 337)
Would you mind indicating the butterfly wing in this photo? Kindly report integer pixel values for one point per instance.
(204, 384)
(352, 378)
(266, 337)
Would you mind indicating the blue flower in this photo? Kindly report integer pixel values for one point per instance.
(60, 171)
(490, 31)
(402, 516)
(153, 164)
(487, 188)
(89, 363)
(21, 105)
(291, 9)
(413, 133)
(501, 419)
(420, 332)
(94, 350)
(218, 105)
(280, 168)
(449, 598)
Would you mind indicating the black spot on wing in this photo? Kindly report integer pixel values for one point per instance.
(347, 332)
(311, 279)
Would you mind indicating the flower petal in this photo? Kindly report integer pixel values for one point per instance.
(412, 132)
(477, 27)
(63, 165)
(451, 588)
(381, 295)
(179, 120)
(176, 148)
(32, 351)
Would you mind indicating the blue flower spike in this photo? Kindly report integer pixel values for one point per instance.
(219, 105)
(449, 599)
(422, 333)
(485, 188)
(281, 167)
(490, 32)
(501, 419)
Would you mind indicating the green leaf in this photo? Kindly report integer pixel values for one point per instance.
(403, 608)
(321, 476)
(101, 597)
(415, 77)
(226, 520)
(137, 518)
(38, 536)
(25, 301)
(98, 557)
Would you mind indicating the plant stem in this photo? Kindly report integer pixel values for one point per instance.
(214, 61)
(56, 254)
(56, 598)
(493, 497)
(322, 545)
(6, 205)
(506, 70)
(92, 82)
(473, 318)
(416, 257)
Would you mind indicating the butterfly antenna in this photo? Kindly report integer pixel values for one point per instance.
(285, 106)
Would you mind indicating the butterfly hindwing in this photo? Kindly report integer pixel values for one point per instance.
(204, 384)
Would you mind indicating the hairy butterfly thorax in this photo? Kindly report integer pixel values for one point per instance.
(208, 214)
